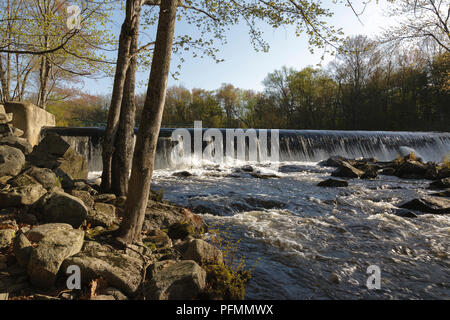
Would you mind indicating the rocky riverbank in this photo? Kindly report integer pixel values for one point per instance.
(54, 221)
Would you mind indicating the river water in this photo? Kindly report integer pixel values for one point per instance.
(317, 243)
(312, 242)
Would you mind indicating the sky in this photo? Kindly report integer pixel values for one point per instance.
(243, 66)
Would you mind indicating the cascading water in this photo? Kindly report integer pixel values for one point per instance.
(295, 145)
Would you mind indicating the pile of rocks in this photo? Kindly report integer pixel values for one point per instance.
(407, 167)
(53, 218)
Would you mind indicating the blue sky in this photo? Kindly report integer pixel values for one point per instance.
(245, 68)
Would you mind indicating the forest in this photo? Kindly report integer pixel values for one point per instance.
(364, 89)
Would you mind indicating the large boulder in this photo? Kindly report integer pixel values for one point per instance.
(62, 207)
(16, 142)
(436, 205)
(411, 169)
(11, 161)
(118, 269)
(346, 170)
(34, 175)
(161, 216)
(201, 252)
(183, 280)
(39, 232)
(48, 256)
(53, 152)
(334, 161)
(21, 196)
(44, 176)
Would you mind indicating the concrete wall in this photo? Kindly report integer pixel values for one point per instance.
(30, 119)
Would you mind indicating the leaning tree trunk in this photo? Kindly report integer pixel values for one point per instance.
(147, 137)
(123, 60)
(123, 150)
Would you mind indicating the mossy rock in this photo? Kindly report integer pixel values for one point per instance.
(181, 231)
(157, 239)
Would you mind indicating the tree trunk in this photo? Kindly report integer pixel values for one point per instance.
(121, 162)
(123, 60)
(147, 137)
(4, 84)
(44, 74)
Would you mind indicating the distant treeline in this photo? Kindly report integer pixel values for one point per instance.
(367, 87)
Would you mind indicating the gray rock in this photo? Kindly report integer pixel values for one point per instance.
(21, 196)
(16, 142)
(160, 216)
(103, 215)
(371, 173)
(53, 152)
(182, 280)
(346, 170)
(46, 177)
(85, 196)
(62, 208)
(202, 252)
(119, 270)
(411, 169)
(6, 237)
(48, 256)
(157, 238)
(436, 205)
(334, 161)
(11, 161)
(22, 249)
(333, 183)
(39, 232)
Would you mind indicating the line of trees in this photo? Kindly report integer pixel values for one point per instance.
(363, 89)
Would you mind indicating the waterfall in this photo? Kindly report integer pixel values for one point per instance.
(295, 145)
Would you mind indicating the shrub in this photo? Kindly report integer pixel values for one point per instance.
(447, 162)
(226, 280)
